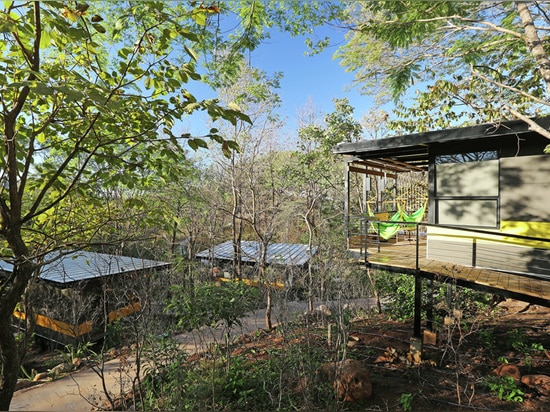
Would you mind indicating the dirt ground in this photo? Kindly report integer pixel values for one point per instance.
(453, 373)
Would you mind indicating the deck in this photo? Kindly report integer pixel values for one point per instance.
(400, 257)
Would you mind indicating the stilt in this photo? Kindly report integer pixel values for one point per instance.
(417, 305)
(430, 308)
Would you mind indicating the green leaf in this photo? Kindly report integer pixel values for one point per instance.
(191, 53)
(70, 94)
(43, 89)
(188, 35)
(199, 16)
(99, 28)
(6, 26)
(197, 143)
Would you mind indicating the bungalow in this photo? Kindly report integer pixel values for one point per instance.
(486, 221)
(77, 292)
(286, 257)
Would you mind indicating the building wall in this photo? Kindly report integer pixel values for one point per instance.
(525, 189)
(463, 197)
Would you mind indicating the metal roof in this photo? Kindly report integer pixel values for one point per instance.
(414, 149)
(81, 265)
(288, 254)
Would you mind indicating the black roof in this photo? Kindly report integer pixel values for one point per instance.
(414, 149)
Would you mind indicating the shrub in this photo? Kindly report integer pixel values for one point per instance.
(207, 303)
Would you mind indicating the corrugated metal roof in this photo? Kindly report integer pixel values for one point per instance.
(288, 254)
(82, 265)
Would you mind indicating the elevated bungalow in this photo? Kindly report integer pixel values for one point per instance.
(77, 293)
(482, 220)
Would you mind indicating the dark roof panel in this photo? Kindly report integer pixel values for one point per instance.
(414, 148)
(78, 266)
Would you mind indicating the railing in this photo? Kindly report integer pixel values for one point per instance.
(524, 255)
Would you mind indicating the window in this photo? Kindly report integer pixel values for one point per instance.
(467, 189)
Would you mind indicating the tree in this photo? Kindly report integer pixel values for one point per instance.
(317, 172)
(81, 112)
(472, 60)
(254, 199)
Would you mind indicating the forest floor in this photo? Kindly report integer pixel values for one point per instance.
(456, 373)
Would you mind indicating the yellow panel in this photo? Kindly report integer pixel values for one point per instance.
(533, 229)
(124, 311)
(250, 282)
(57, 325)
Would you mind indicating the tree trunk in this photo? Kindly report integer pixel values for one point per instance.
(267, 282)
(10, 363)
(268, 324)
(534, 43)
(10, 359)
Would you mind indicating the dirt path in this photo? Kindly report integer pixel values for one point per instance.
(82, 390)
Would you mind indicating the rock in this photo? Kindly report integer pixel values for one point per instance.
(541, 383)
(508, 370)
(324, 310)
(60, 369)
(514, 306)
(41, 376)
(22, 384)
(350, 378)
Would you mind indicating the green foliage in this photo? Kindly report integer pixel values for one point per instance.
(103, 117)
(399, 289)
(405, 401)
(26, 375)
(165, 372)
(273, 379)
(231, 385)
(505, 387)
(467, 60)
(115, 334)
(518, 340)
(81, 350)
(206, 304)
(489, 339)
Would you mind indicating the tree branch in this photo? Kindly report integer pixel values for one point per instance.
(513, 89)
(532, 124)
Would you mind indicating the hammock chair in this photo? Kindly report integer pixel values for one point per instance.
(385, 230)
(414, 217)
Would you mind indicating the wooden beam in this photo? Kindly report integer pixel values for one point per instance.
(371, 172)
(406, 166)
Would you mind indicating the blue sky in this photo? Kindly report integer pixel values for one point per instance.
(319, 78)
